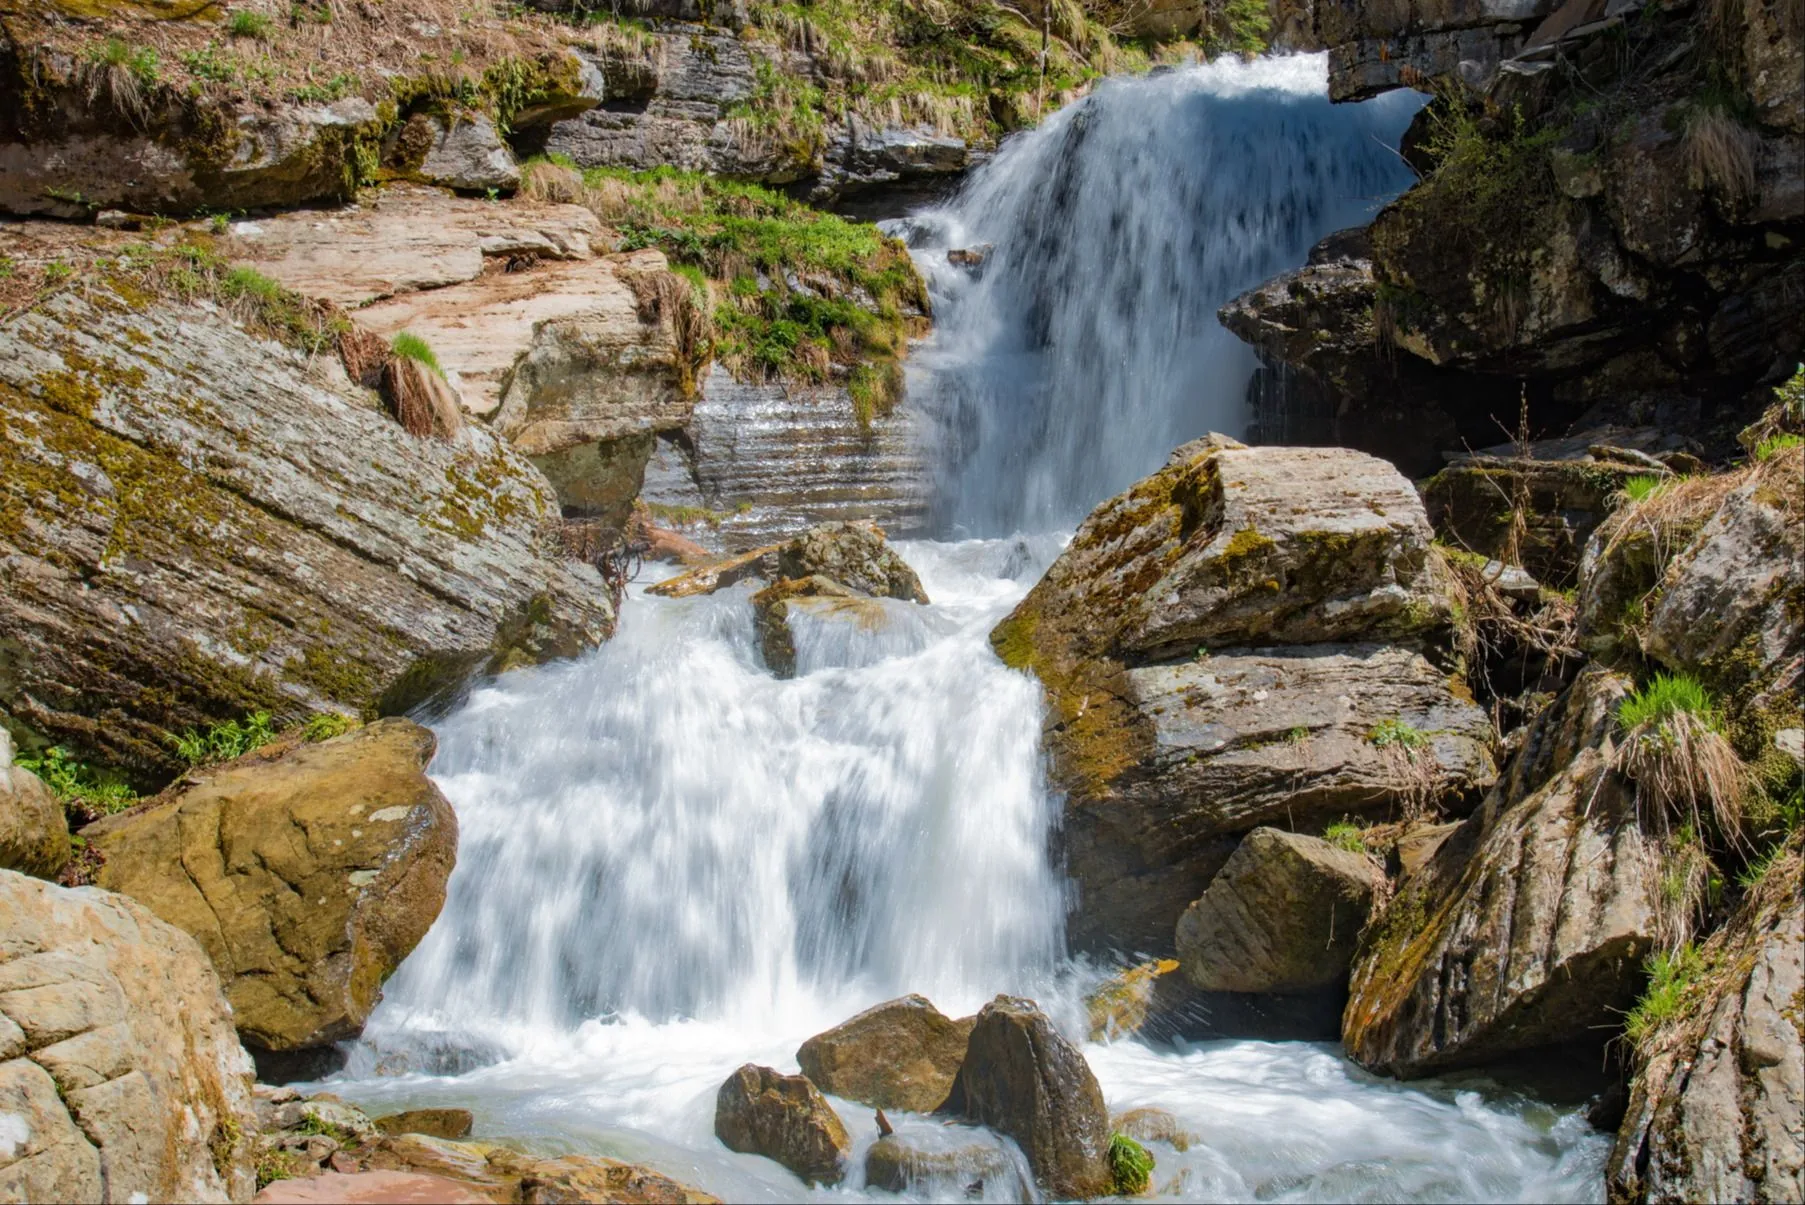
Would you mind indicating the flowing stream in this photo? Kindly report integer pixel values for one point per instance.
(672, 863)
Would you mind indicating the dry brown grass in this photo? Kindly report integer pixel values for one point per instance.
(1685, 771)
(1720, 153)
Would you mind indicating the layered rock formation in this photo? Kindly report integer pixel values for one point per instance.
(1197, 642)
(307, 878)
(121, 1077)
(198, 522)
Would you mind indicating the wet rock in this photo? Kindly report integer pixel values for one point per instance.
(851, 555)
(1024, 1080)
(1153, 1125)
(1118, 1007)
(307, 878)
(782, 1117)
(1717, 1106)
(1528, 927)
(434, 1123)
(120, 1072)
(248, 532)
(468, 154)
(1283, 915)
(34, 836)
(902, 1054)
(912, 1164)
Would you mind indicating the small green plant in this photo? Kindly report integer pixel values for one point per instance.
(1670, 977)
(75, 782)
(273, 1165)
(1667, 696)
(1643, 487)
(1675, 750)
(1345, 834)
(1131, 1165)
(219, 223)
(1773, 445)
(138, 61)
(1396, 733)
(56, 272)
(246, 23)
(326, 725)
(223, 742)
(410, 346)
(336, 88)
(1297, 736)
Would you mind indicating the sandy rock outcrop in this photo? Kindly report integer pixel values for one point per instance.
(902, 1054)
(1717, 1107)
(120, 1077)
(1528, 927)
(196, 523)
(34, 834)
(1238, 641)
(785, 1118)
(1283, 915)
(1023, 1079)
(307, 878)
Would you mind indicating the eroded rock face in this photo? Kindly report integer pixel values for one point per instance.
(1374, 47)
(1283, 915)
(902, 1054)
(307, 878)
(1230, 571)
(120, 1076)
(785, 1118)
(1717, 1108)
(1023, 1079)
(1528, 927)
(196, 524)
(34, 836)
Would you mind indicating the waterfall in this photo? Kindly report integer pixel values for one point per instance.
(1085, 346)
(672, 863)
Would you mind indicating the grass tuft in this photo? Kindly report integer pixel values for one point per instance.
(1396, 733)
(1675, 750)
(246, 23)
(410, 346)
(1345, 834)
(326, 725)
(225, 741)
(1130, 1164)
(1670, 979)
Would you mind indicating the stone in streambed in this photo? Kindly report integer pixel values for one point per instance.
(434, 1123)
(1024, 1080)
(918, 1164)
(1284, 915)
(784, 1118)
(854, 555)
(902, 1054)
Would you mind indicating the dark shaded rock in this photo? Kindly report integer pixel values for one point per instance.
(1283, 915)
(782, 1117)
(902, 1054)
(307, 878)
(1022, 1079)
(939, 1170)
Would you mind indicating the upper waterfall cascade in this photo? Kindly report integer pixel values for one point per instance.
(672, 863)
(1085, 346)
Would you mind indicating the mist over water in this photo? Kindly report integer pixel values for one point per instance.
(672, 863)
(1087, 347)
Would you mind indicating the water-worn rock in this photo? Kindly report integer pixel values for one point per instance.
(434, 1123)
(1023, 1079)
(34, 836)
(782, 1117)
(1162, 762)
(196, 523)
(307, 878)
(1528, 927)
(853, 555)
(120, 1077)
(933, 1168)
(1283, 915)
(1717, 1107)
(1119, 1006)
(902, 1054)
(502, 1174)
(776, 605)
(1153, 1125)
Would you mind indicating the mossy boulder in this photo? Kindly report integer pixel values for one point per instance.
(307, 877)
(196, 523)
(902, 1054)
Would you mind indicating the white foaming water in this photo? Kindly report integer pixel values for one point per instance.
(1087, 348)
(672, 863)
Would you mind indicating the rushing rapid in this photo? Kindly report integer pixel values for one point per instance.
(672, 863)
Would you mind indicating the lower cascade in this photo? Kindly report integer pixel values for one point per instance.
(674, 862)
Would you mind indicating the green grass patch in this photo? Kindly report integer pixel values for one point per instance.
(1396, 733)
(1670, 979)
(1666, 696)
(326, 725)
(1130, 1164)
(224, 741)
(76, 782)
(410, 346)
(247, 23)
(1345, 834)
(140, 62)
(1773, 445)
(1645, 486)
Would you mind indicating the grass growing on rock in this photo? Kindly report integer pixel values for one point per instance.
(224, 741)
(76, 784)
(1674, 748)
(410, 346)
(1671, 978)
(1130, 1164)
(1345, 834)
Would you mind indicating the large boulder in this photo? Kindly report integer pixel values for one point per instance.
(902, 1054)
(1283, 915)
(197, 522)
(34, 834)
(1528, 927)
(307, 878)
(1023, 1079)
(1197, 643)
(1717, 1107)
(785, 1118)
(120, 1077)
